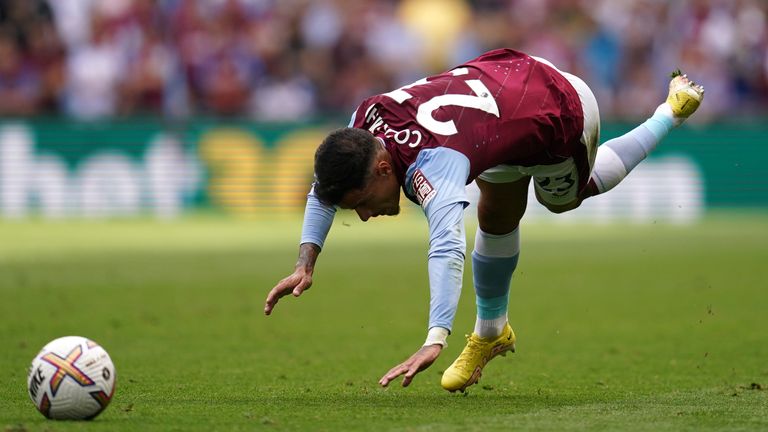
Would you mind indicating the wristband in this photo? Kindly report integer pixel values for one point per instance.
(437, 336)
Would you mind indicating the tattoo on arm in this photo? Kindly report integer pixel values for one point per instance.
(308, 253)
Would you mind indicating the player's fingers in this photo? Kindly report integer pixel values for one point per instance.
(411, 372)
(302, 286)
(407, 381)
(281, 289)
(392, 374)
(269, 305)
(408, 378)
(272, 298)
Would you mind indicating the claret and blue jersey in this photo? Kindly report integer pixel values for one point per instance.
(502, 108)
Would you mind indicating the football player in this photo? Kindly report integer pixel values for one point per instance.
(502, 120)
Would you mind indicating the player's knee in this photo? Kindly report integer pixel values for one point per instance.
(495, 219)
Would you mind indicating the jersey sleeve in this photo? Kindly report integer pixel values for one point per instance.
(318, 218)
(437, 179)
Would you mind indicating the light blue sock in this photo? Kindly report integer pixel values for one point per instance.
(492, 277)
(617, 157)
(493, 262)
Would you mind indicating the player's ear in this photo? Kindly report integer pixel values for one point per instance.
(383, 168)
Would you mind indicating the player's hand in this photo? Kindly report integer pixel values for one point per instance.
(416, 363)
(296, 283)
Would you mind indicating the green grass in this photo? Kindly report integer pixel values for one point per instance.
(619, 327)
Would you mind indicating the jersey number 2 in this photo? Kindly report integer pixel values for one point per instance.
(482, 100)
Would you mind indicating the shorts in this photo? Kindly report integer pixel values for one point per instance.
(557, 184)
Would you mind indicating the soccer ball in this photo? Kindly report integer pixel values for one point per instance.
(71, 378)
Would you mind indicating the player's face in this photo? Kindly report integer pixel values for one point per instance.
(380, 197)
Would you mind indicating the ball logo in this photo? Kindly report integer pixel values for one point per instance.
(37, 380)
(65, 367)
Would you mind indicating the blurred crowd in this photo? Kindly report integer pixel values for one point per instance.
(293, 59)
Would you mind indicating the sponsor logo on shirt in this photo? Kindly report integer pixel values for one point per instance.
(423, 188)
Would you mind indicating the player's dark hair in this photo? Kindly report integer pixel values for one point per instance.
(342, 162)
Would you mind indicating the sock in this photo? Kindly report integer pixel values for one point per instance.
(494, 259)
(617, 157)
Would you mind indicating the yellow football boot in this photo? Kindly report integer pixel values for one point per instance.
(684, 97)
(468, 367)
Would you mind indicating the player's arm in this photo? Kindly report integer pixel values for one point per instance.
(318, 218)
(443, 199)
(447, 246)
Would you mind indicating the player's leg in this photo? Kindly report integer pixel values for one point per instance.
(613, 160)
(617, 157)
(496, 251)
(494, 259)
(558, 186)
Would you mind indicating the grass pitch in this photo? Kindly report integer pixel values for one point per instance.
(619, 327)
